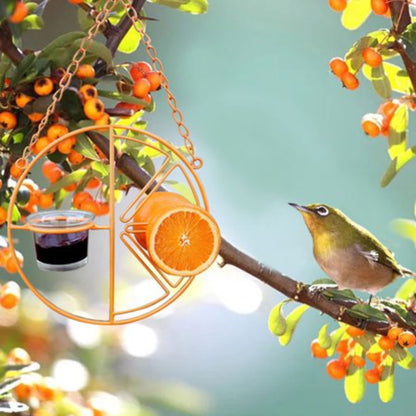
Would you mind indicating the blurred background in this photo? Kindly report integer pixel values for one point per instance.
(273, 126)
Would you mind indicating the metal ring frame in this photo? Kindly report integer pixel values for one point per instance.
(172, 290)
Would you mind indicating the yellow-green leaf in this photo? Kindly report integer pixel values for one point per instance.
(386, 384)
(408, 362)
(408, 289)
(356, 13)
(397, 139)
(277, 322)
(354, 383)
(398, 163)
(399, 79)
(131, 41)
(291, 323)
(336, 336)
(188, 6)
(324, 338)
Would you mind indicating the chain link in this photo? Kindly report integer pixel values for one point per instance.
(70, 72)
(158, 67)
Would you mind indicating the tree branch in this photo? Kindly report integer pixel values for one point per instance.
(7, 46)
(231, 255)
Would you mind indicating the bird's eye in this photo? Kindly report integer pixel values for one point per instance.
(322, 211)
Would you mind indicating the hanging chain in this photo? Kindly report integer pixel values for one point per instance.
(65, 81)
(158, 67)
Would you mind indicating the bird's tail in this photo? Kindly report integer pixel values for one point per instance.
(407, 272)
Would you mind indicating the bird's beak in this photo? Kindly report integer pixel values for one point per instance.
(299, 207)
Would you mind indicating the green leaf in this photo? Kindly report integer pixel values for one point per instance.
(100, 169)
(24, 67)
(408, 39)
(67, 180)
(346, 294)
(277, 322)
(33, 22)
(398, 163)
(188, 6)
(98, 50)
(182, 189)
(62, 41)
(291, 322)
(336, 336)
(324, 338)
(84, 20)
(131, 41)
(72, 106)
(85, 147)
(366, 311)
(366, 340)
(408, 289)
(399, 79)
(356, 13)
(398, 353)
(386, 384)
(397, 139)
(121, 97)
(381, 82)
(408, 362)
(354, 383)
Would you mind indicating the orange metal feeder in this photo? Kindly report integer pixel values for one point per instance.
(172, 161)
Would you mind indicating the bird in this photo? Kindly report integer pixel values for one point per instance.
(347, 252)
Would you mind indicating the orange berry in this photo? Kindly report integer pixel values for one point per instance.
(15, 171)
(358, 361)
(406, 339)
(372, 124)
(317, 350)
(19, 13)
(71, 188)
(394, 333)
(75, 158)
(47, 389)
(337, 5)
(372, 57)
(3, 215)
(154, 79)
(23, 391)
(65, 147)
(338, 66)
(349, 81)
(10, 292)
(57, 130)
(94, 109)
(35, 117)
(52, 171)
(86, 71)
(43, 86)
(342, 347)
(103, 208)
(141, 88)
(140, 70)
(128, 106)
(386, 343)
(18, 356)
(93, 183)
(79, 198)
(375, 357)
(102, 121)
(352, 331)
(388, 108)
(379, 7)
(40, 144)
(336, 369)
(76, 1)
(22, 100)
(372, 376)
(89, 205)
(8, 120)
(45, 201)
(88, 92)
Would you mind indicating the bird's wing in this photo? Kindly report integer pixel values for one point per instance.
(381, 255)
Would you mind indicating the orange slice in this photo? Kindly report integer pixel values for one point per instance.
(183, 240)
(154, 203)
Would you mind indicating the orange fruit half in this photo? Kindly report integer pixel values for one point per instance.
(183, 240)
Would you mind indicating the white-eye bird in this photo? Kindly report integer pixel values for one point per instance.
(348, 253)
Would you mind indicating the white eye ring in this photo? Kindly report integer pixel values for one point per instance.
(322, 211)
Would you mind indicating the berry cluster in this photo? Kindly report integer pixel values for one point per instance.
(348, 358)
(379, 7)
(10, 291)
(379, 123)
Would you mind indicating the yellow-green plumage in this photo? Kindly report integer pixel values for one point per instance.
(347, 252)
